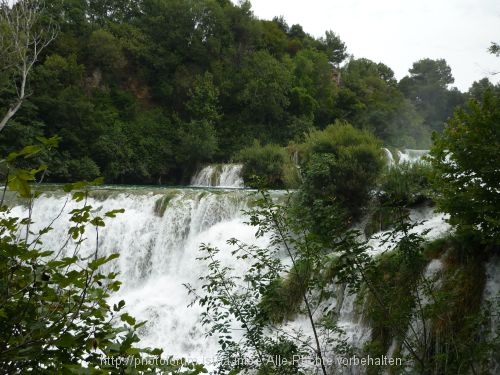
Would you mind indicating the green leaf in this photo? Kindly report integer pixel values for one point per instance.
(66, 340)
(100, 261)
(27, 152)
(113, 213)
(97, 221)
(20, 186)
(127, 319)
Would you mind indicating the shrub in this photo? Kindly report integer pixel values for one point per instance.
(266, 166)
(340, 167)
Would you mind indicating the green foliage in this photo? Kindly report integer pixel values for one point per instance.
(466, 175)
(442, 320)
(83, 169)
(17, 177)
(265, 92)
(340, 168)
(54, 310)
(266, 166)
(370, 99)
(389, 302)
(270, 291)
(400, 188)
(219, 76)
(427, 89)
(104, 52)
(314, 89)
(479, 88)
(405, 185)
(334, 47)
(204, 97)
(226, 301)
(494, 49)
(197, 144)
(283, 299)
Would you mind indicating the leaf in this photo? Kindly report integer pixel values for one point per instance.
(119, 306)
(78, 196)
(27, 152)
(20, 186)
(66, 340)
(100, 261)
(97, 222)
(113, 213)
(127, 319)
(49, 142)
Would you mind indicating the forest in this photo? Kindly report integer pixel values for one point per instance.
(146, 92)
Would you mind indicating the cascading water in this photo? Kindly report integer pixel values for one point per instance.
(389, 157)
(219, 175)
(411, 156)
(158, 238)
(158, 252)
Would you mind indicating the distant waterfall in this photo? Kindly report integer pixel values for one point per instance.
(404, 156)
(388, 157)
(411, 156)
(219, 175)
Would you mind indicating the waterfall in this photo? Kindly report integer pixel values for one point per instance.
(404, 156)
(158, 238)
(411, 156)
(219, 175)
(388, 156)
(158, 252)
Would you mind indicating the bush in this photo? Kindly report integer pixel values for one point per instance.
(405, 185)
(83, 169)
(340, 167)
(401, 187)
(267, 166)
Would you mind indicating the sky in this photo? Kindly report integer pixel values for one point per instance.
(400, 32)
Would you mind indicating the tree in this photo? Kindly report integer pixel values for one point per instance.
(272, 290)
(339, 168)
(313, 81)
(24, 34)
(335, 48)
(427, 89)
(494, 49)
(370, 99)
(264, 95)
(478, 88)
(466, 159)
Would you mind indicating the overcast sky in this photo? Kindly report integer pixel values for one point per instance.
(400, 32)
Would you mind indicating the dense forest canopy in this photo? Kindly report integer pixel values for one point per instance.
(147, 91)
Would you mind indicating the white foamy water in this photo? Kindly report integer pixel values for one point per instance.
(219, 175)
(158, 254)
(411, 156)
(406, 155)
(388, 156)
